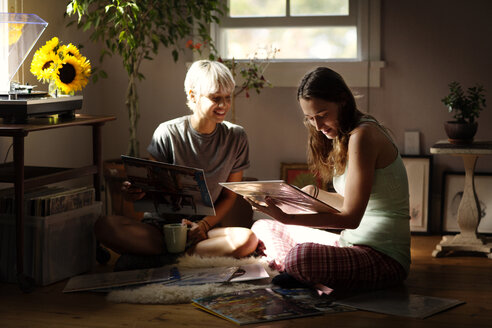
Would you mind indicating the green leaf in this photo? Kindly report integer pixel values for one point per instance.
(136, 29)
(122, 36)
(87, 26)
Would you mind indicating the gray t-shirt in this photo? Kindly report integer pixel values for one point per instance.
(219, 153)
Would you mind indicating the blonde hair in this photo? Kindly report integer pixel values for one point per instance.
(207, 77)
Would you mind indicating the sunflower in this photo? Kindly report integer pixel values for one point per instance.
(86, 66)
(51, 46)
(61, 64)
(43, 64)
(69, 50)
(45, 60)
(71, 75)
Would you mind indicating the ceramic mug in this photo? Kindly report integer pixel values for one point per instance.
(175, 237)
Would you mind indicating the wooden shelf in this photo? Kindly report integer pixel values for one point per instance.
(26, 177)
(36, 176)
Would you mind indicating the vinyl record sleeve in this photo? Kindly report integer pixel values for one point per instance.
(254, 306)
(288, 198)
(169, 189)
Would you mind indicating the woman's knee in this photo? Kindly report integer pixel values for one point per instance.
(293, 263)
(303, 261)
(101, 227)
(126, 235)
(236, 242)
(105, 223)
(107, 226)
(258, 225)
(263, 227)
(240, 241)
(247, 244)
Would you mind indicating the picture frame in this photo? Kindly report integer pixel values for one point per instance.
(452, 189)
(419, 173)
(299, 175)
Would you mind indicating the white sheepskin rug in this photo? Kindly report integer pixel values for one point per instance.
(163, 294)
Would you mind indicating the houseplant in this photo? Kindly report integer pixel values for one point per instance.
(135, 30)
(248, 74)
(466, 109)
(251, 75)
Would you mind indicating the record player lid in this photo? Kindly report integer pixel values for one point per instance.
(19, 33)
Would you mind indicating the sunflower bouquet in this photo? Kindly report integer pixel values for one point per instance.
(62, 66)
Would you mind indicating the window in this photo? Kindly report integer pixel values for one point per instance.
(341, 34)
(301, 29)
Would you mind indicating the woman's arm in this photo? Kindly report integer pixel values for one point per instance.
(222, 206)
(332, 198)
(225, 201)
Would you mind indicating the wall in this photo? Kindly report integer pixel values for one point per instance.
(425, 44)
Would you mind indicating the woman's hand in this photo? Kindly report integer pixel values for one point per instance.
(270, 209)
(130, 192)
(197, 231)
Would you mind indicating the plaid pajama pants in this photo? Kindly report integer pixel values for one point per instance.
(313, 256)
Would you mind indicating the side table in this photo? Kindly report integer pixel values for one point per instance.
(28, 177)
(468, 212)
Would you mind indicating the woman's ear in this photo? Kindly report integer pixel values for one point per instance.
(192, 96)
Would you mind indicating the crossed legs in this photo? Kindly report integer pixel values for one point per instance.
(128, 236)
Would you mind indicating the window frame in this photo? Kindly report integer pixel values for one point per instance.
(363, 71)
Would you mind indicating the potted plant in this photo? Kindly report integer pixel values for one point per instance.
(466, 109)
(134, 30)
(248, 74)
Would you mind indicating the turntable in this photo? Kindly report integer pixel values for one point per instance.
(20, 102)
(21, 109)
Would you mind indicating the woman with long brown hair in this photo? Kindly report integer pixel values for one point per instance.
(356, 152)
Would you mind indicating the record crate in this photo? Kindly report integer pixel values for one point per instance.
(56, 247)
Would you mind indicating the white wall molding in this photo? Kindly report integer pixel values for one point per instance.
(356, 74)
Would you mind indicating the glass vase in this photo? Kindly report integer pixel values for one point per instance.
(53, 90)
(56, 92)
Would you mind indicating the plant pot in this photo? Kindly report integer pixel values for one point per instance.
(460, 133)
(114, 175)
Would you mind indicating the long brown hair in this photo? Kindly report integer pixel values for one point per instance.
(326, 157)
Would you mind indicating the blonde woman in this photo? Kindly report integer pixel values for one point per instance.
(202, 140)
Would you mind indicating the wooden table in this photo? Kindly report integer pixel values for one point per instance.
(28, 177)
(468, 212)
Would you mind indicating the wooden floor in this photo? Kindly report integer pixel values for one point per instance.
(467, 278)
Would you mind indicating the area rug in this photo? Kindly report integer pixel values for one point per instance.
(162, 294)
